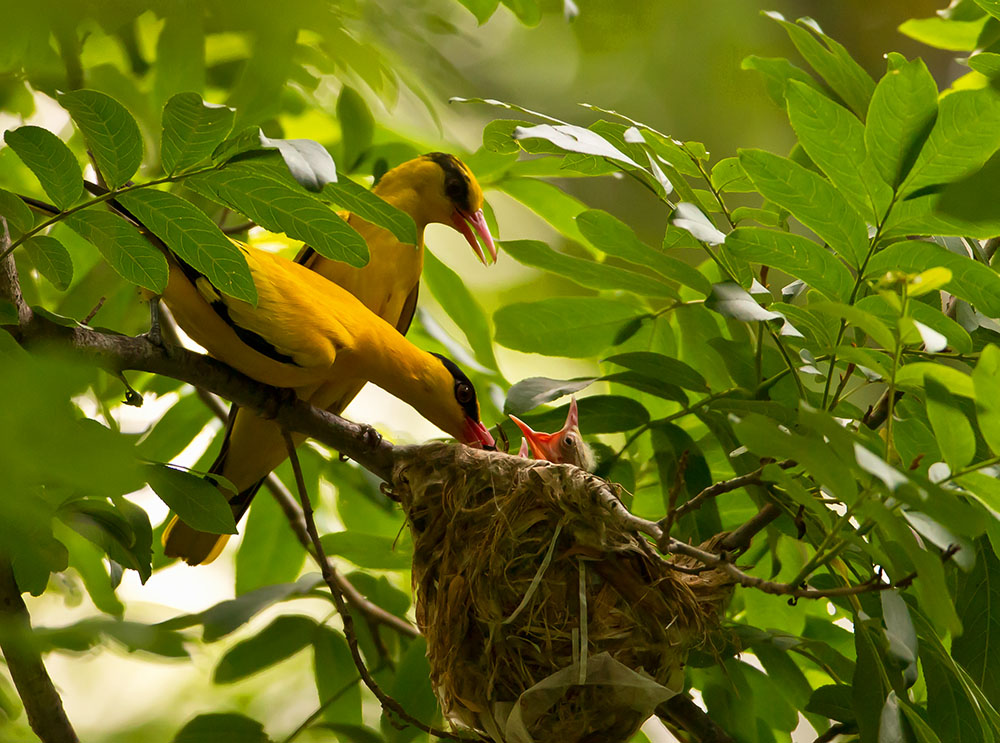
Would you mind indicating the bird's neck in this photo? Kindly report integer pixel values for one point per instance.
(404, 371)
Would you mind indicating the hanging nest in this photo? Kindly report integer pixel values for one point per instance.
(546, 618)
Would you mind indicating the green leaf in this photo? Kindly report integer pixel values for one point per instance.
(833, 701)
(227, 616)
(222, 728)
(18, 215)
(941, 33)
(198, 502)
(986, 380)
(412, 689)
(972, 281)
(900, 117)
(609, 234)
(585, 272)
(307, 160)
(728, 176)
(481, 9)
(665, 368)
(195, 238)
(563, 326)
(50, 160)
(336, 677)
(549, 202)
(356, 125)
(269, 553)
(649, 385)
(281, 639)
(111, 133)
(831, 60)
(368, 550)
(192, 129)
(732, 300)
(278, 207)
(124, 248)
(527, 11)
(598, 414)
(965, 135)
(778, 72)
(51, 259)
(870, 324)
(371, 207)
(834, 139)
(531, 392)
(462, 307)
(795, 255)
(977, 601)
(952, 429)
(811, 199)
(985, 63)
(990, 6)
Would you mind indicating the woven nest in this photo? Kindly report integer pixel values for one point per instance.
(545, 618)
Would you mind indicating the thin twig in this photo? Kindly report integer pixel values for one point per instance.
(841, 728)
(726, 486)
(330, 576)
(97, 308)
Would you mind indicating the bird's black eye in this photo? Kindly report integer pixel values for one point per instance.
(569, 441)
(464, 393)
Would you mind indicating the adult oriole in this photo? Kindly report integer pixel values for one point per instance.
(565, 445)
(433, 188)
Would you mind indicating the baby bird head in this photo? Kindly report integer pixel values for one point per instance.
(564, 446)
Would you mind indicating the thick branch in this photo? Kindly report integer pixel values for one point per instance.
(41, 700)
(682, 712)
(118, 353)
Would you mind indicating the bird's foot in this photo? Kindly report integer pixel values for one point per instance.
(370, 437)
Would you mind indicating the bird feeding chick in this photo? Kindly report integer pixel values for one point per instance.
(565, 446)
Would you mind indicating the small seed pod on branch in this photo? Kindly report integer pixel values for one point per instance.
(547, 618)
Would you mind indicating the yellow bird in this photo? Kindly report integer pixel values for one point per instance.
(564, 446)
(436, 187)
(304, 332)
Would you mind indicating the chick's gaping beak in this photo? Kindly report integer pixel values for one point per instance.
(476, 435)
(477, 220)
(542, 444)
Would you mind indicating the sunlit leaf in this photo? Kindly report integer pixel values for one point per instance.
(356, 125)
(902, 112)
(307, 160)
(811, 199)
(795, 255)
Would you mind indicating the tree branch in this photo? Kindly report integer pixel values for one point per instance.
(41, 700)
(681, 711)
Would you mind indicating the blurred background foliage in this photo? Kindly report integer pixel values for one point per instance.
(371, 81)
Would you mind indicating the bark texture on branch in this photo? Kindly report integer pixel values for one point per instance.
(41, 700)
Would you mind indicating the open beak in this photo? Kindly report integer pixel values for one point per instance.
(476, 435)
(543, 445)
(466, 223)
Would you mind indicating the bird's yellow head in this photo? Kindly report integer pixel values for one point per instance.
(448, 400)
(438, 187)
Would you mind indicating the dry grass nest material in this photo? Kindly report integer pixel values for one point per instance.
(545, 618)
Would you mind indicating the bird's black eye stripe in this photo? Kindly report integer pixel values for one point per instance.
(463, 384)
(456, 182)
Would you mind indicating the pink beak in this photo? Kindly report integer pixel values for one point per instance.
(477, 220)
(476, 435)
